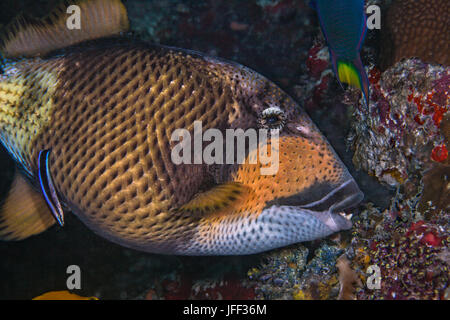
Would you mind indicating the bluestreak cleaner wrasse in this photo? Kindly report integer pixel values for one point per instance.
(88, 116)
(343, 24)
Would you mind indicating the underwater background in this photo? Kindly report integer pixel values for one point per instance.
(396, 150)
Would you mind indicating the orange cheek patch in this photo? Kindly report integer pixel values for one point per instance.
(302, 163)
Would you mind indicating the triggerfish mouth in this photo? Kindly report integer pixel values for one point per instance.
(344, 25)
(88, 117)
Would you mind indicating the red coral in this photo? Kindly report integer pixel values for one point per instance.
(427, 235)
(374, 76)
(382, 108)
(434, 103)
(315, 63)
(431, 239)
(418, 226)
(439, 153)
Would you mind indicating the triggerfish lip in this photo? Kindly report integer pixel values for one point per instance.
(327, 211)
(347, 195)
(334, 221)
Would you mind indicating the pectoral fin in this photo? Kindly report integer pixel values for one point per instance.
(24, 212)
(47, 187)
(215, 199)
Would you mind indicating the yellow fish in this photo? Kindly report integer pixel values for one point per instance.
(89, 121)
(62, 295)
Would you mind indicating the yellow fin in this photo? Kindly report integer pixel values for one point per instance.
(98, 18)
(24, 212)
(347, 73)
(215, 199)
(62, 295)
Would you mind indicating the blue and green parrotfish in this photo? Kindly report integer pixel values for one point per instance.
(343, 24)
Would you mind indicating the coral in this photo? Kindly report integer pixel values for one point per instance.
(316, 288)
(286, 274)
(348, 279)
(436, 194)
(425, 234)
(280, 271)
(409, 265)
(324, 261)
(412, 256)
(318, 60)
(439, 153)
(318, 86)
(394, 139)
(401, 139)
(416, 29)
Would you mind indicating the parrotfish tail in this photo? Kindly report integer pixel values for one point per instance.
(353, 74)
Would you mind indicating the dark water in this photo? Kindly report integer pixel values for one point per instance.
(31, 267)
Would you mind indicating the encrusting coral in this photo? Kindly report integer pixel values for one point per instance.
(416, 28)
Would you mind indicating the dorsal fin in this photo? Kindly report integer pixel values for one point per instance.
(31, 37)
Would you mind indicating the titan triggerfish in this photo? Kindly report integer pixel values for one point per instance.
(88, 117)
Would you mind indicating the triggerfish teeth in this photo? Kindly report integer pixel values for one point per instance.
(89, 117)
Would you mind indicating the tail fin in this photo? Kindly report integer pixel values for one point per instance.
(24, 212)
(353, 74)
(31, 37)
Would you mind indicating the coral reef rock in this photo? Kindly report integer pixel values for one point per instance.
(404, 133)
(412, 257)
(416, 28)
